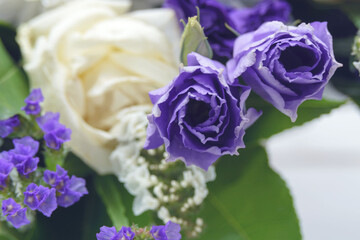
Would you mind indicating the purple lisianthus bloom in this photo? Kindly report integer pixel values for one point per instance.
(171, 231)
(285, 65)
(7, 126)
(198, 115)
(40, 198)
(55, 133)
(214, 15)
(33, 102)
(22, 156)
(249, 19)
(108, 233)
(70, 190)
(14, 213)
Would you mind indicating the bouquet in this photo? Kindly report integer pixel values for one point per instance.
(128, 120)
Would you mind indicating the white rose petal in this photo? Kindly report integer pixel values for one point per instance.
(93, 60)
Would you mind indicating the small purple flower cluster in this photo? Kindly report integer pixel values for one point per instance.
(69, 190)
(169, 231)
(7, 126)
(22, 157)
(55, 133)
(108, 233)
(33, 102)
(62, 191)
(14, 213)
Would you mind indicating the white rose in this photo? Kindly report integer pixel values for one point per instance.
(93, 60)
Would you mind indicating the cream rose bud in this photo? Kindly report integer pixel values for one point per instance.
(92, 60)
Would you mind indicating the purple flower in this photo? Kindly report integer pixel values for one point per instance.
(5, 169)
(40, 198)
(285, 65)
(26, 146)
(33, 102)
(15, 214)
(7, 126)
(171, 231)
(57, 179)
(249, 19)
(198, 115)
(213, 16)
(70, 190)
(55, 134)
(107, 233)
(22, 156)
(126, 233)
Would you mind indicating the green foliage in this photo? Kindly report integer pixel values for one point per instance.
(13, 86)
(249, 201)
(111, 197)
(194, 40)
(119, 202)
(75, 166)
(272, 121)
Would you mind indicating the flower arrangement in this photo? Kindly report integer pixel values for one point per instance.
(149, 123)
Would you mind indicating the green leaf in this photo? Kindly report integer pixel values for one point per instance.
(249, 201)
(107, 189)
(193, 39)
(13, 86)
(272, 121)
(75, 166)
(5, 233)
(95, 215)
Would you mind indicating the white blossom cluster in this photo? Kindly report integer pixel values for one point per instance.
(138, 169)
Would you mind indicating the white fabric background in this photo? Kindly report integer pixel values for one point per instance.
(320, 161)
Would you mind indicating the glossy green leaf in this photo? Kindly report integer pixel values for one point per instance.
(273, 121)
(249, 201)
(13, 86)
(107, 189)
(194, 40)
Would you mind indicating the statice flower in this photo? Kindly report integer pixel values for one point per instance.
(33, 102)
(110, 233)
(69, 190)
(23, 155)
(55, 133)
(126, 233)
(5, 169)
(249, 19)
(198, 116)
(7, 126)
(40, 198)
(14, 213)
(171, 231)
